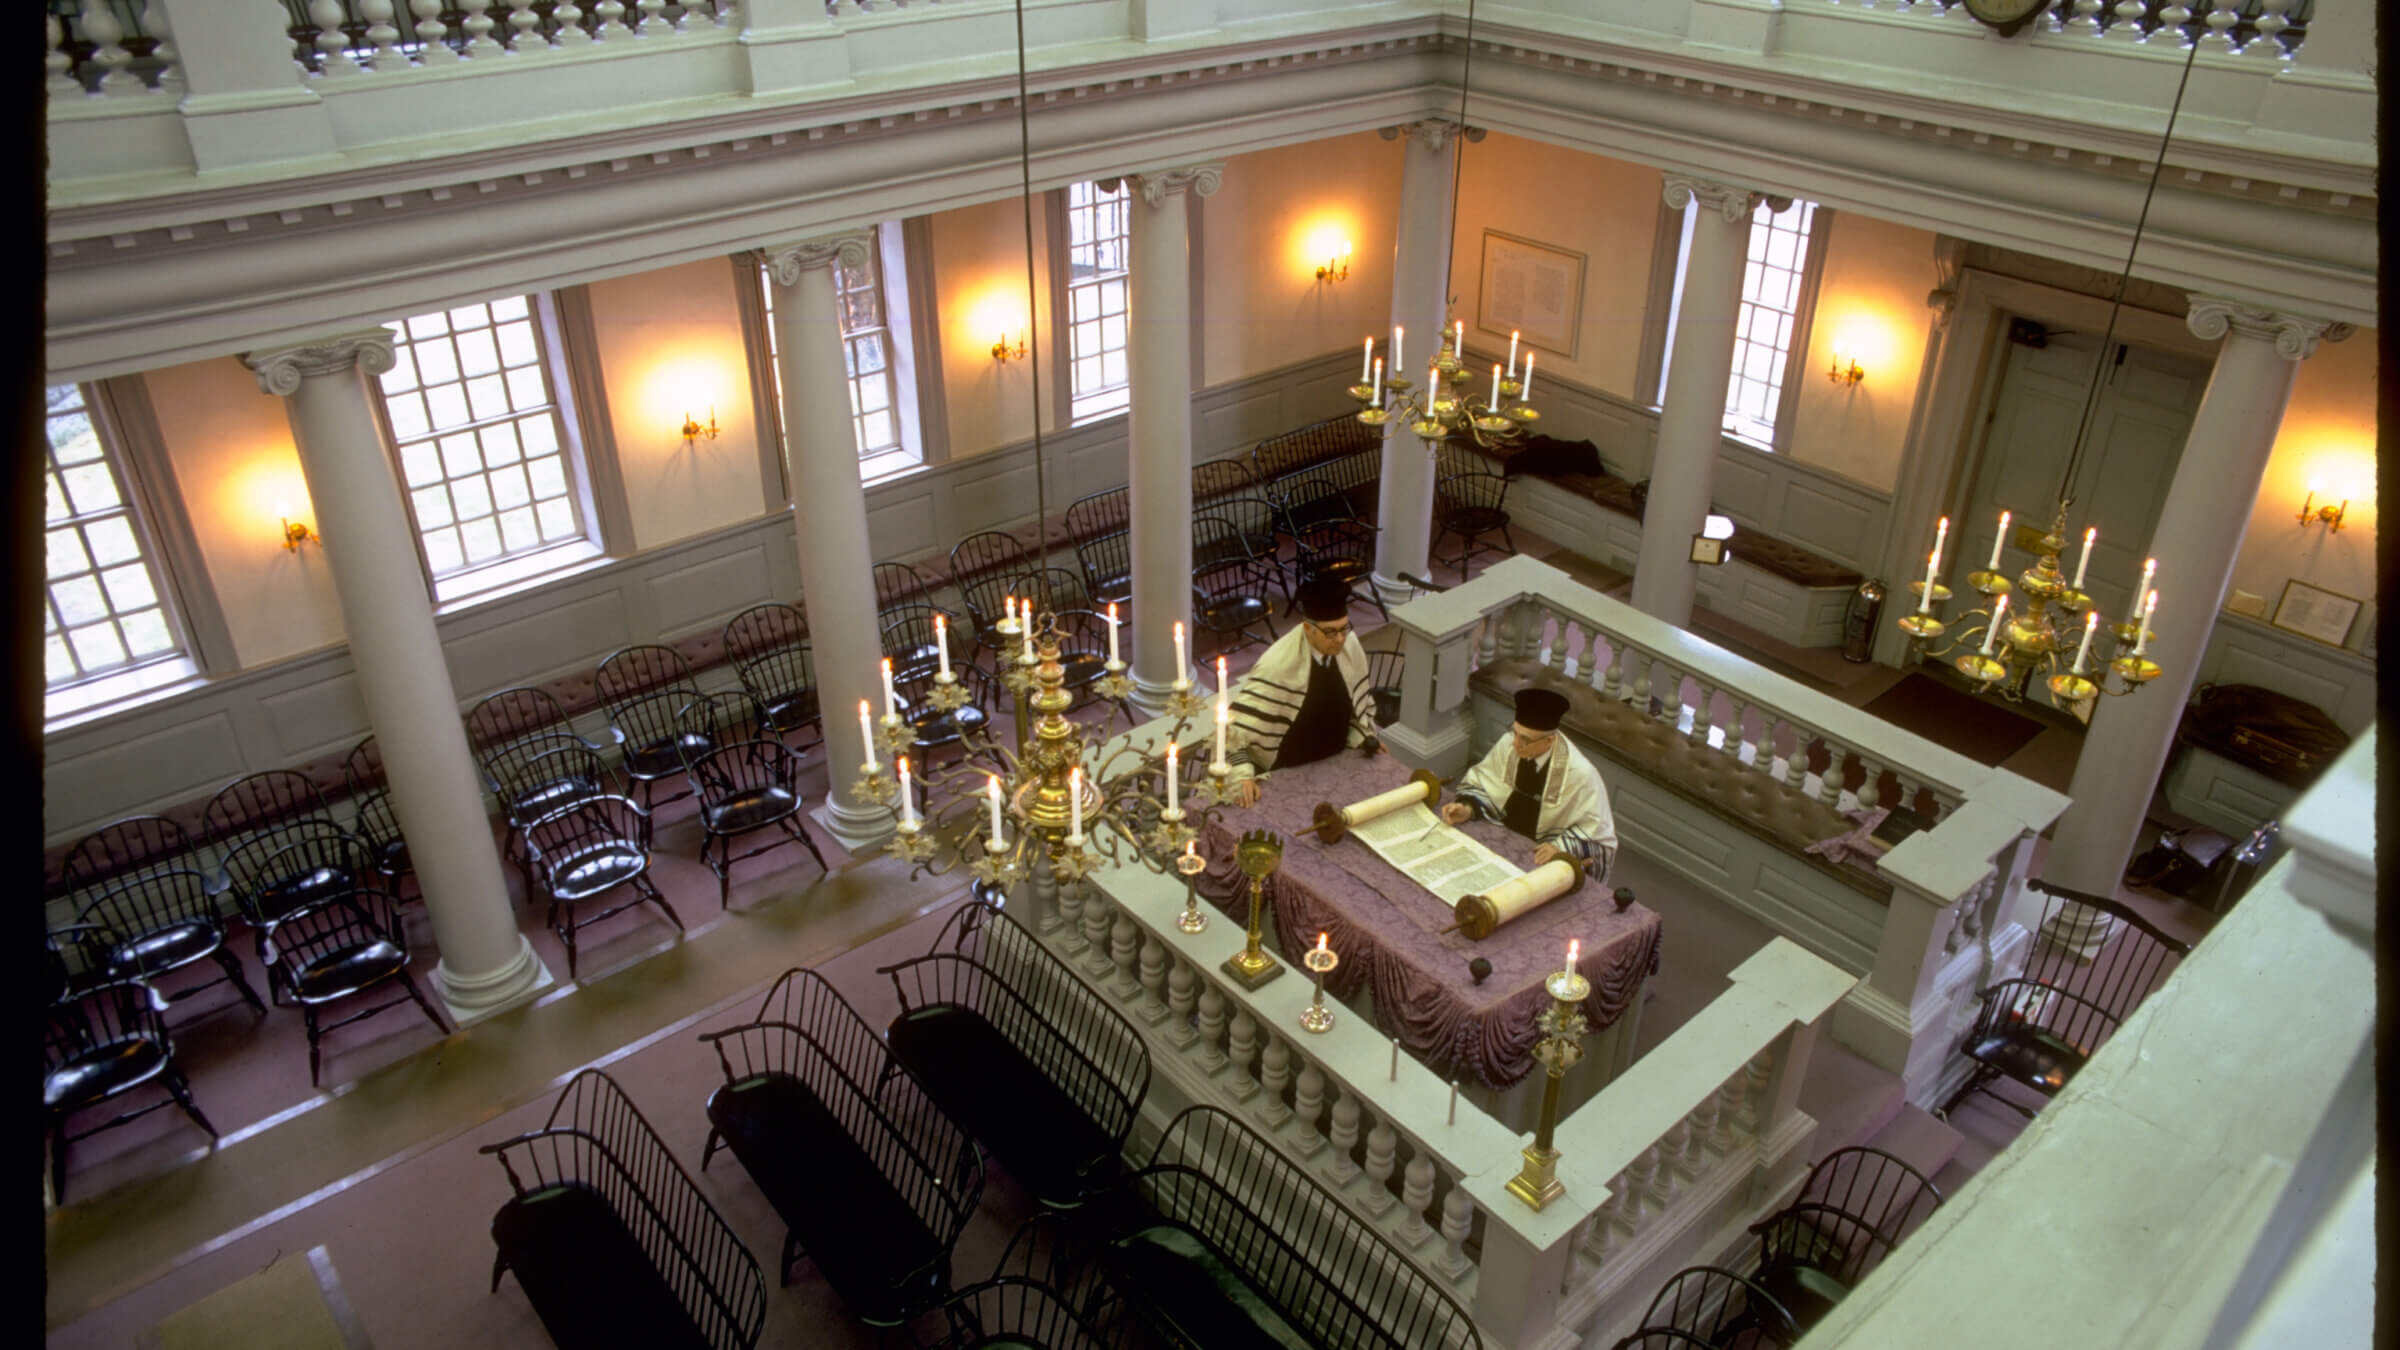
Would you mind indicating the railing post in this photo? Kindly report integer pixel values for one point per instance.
(1430, 732)
(791, 44)
(1524, 1262)
(244, 101)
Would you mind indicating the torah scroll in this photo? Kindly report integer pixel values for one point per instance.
(1478, 915)
(1333, 821)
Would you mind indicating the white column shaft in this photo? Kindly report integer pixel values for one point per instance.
(1159, 426)
(1420, 294)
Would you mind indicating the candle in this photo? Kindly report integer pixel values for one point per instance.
(908, 800)
(891, 701)
(1925, 597)
(2091, 622)
(1112, 635)
(1433, 385)
(1220, 759)
(1512, 352)
(1997, 541)
(1075, 803)
(1321, 941)
(2086, 561)
(1377, 397)
(1012, 611)
(1525, 387)
(1220, 679)
(2141, 637)
(992, 789)
(866, 733)
(1173, 777)
(1574, 950)
(1941, 531)
(1179, 662)
(1999, 613)
(1495, 384)
(1458, 339)
(941, 642)
(1395, 1075)
(1398, 350)
(1366, 360)
(2149, 570)
(1453, 1101)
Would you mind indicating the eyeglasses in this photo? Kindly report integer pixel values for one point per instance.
(1315, 627)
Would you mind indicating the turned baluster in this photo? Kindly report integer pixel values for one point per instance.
(1737, 731)
(1343, 1132)
(612, 20)
(480, 42)
(2271, 23)
(2222, 15)
(1612, 685)
(1123, 944)
(2172, 16)
(1609, 1228)
(1643, 1195)
(1487, 640)
(1182, 986)
(1274, 1075)
(1595, 673)
(1666, 696)
(162, 48)
(1308, 1103)
(1382, 1152)
(1829, 785)
(1557, 659)
(2085, 22)
(1153, 961)
(569, 17)
(1750, 1114)
(100, 26)
(1692, 1139)
(649, 23)
(1728, 1098)
(1869, 792)
(522, 23)
(430, 30)
(387, 56)
(1700, 713)
(1210, 1026)
(60, 66)
(1069, 902)
(1643, 663)
(1242, 1047)
(1416, 1196)
(1097, 918)
(1458, 1216)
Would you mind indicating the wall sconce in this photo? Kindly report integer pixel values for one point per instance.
(1839, 375)
(1335, 268)
(1708, 546)
(2329, 514)
(1003, 352)
(295, 532)
(693, 431)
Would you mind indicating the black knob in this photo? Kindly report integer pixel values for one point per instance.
(1480, 969)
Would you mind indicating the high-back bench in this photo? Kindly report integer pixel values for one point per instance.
(1021, 1053)
(1340, 450)
(870, 1181)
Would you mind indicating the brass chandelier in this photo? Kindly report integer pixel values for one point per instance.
(1447, 404)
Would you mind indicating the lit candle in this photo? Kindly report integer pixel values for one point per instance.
(891, 701)
(2091, 624)
(1321, 942)
(1458, 339)
(1112, 634)
(1179, 662)
(1525, 386)
(992, 789)
(1999, 613)
(1075, 803)
(1941, 531)
(1398, 350)
(1495, 384)
(2086, 561)
(1512, 352)
(2149, 570)
(1012, 611)
(1220, 759)
(2141, 638)
(1433, 385)
(941, 642)
(908, 799)
(1377, 397)
(1173, 777)
(1925, 597)
(1029, 628)
(1366, 361)
(1997, 541)
(866, 733)
(1574, 950)
(1220, 679)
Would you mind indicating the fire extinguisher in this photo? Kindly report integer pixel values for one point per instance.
(1858, 626)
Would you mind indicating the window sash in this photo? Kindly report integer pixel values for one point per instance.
(1099, 244)
(100, 561)
(1766, 329)
(860, 308)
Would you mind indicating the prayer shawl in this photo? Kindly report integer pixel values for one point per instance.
(1265, 700)
(1575, 817)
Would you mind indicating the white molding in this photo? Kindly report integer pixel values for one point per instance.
(575, 356)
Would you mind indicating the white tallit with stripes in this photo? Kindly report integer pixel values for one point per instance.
(1265, 700)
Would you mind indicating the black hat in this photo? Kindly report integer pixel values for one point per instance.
(1540, 709)
(1324, 599)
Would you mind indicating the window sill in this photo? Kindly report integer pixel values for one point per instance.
(110, 695)
(468, 589)
(890, 466)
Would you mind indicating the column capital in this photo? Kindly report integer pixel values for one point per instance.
(2295, 335)
(785, 262)
(1201, 180)
(1733, 203)
(281, 369)
(1432, 133)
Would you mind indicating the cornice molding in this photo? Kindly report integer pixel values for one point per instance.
(1432, 134)
(281, 370)
(785, 262)
(2295, 335)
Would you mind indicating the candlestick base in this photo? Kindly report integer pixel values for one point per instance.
(1362, 392)
(1316, 1017)
(1251, 970)
(2066, 689)
(1940, 591)
(1430, 429)
(1374, 417)
(1510, 388)
(1989, 583)
(895, 734)
(2072, 600)
(2135, 669)
(948, 695)
(1526, 413)
(872, 787)
(1922, 626)
(1494, 424)
(1980, 668)
(1538, 1184)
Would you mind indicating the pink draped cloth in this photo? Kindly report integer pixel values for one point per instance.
(1387, 929)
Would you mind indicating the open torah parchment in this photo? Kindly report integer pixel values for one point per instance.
(1443, 860)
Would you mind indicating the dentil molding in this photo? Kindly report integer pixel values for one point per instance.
(2295, 335)
(281, 370)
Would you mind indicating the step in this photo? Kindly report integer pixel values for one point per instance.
(1850, 1098)
(1919, 1140)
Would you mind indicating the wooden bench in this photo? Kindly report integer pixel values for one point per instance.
(610, 1238)
(1028, 1060)
(871, 1182)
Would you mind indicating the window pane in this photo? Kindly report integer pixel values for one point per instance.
(516, 344)
(539, 434)
(408, 415)
(469, 316)
(432, 506)
(65, 554)
(527, 390)
(111, 541)
(79, 600)
(480, 539)
(72, 440)
(470, 497)
(875, 430)
(420, 464)
(447, 406)
(488, 397)
(58, 664)
(436, 363)
(427, 326)
(513, 307)
(441, 551)
(557, 519)
(147, 634)
(54, 499)
(548, 476)
(129, 587)
(518, 532)
(459, 455)
(509, 487)
(477, 353)
(91, 487)
(97, 647)
(402, 377)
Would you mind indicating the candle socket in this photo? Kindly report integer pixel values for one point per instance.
(948, 694)
(1316, 1016)
(1259, 854)
(894, 733)
(1562, 1026)
(1191, 865)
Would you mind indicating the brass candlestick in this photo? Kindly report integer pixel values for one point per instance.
(1562, 1027)
(1191, 864)
(1321, 960)
(1259, 854)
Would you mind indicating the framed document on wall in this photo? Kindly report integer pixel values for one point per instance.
(1531, 289)
(2314, 612)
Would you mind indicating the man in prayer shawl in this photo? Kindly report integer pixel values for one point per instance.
(1307, 698)
(1542, 788)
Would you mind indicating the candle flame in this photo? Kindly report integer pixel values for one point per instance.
(2091, 534)
(1320, 942)
(1574, 950)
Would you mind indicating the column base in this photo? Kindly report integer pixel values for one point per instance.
(861, 831)
(1149, 697)
(1446, 752)
(472, 998)
(1393, 590)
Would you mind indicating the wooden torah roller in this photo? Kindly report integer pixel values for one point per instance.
(1478, 915)
(1332, 822)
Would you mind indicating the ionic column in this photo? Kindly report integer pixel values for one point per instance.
(2199, 532)
(1420, 294)
(829, 517)
(1158, 420)
(1692, 420)
(396, 657)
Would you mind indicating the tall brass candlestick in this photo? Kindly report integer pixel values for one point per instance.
(1562, 1026)
(1259, 854)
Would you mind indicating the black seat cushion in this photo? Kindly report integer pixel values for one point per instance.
(164, 948)
(1082, 668)
(595, 867)
(662, 758)
(748, 809)
(348, 970)
(1805, 1292)
(391, 858)
(102, 1072)
(786, 712)
(287, 894)
(586, 1274)
(1227, 614)
(866, 1240)
(981, 1080)
(1185, 1288)
(542, 798)
(2038, 1058)
(942, 728)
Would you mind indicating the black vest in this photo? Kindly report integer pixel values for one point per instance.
(1523, 813)
(1322, 726)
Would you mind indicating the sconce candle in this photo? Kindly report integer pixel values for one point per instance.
(1925, 597)
(1997, 541)
(908, 799)
(2084, 563)
(1179, 661)
(866, 732)
(2149, 570)
(891, 701)
(1495, 384)
(2141, 638)
(1075, 805)
(1366, 361)
(1574, 950)
(1941, 531)
(1220, 679)
(1512, 352)
(1112, 634)
(2083, 653)
(941, 642)
(992, 790)
(1172, 777)
(1377, 398)
(1219, 762)
(1458, 339)
(1399, 351)
(1525, 384)
(1999, 616)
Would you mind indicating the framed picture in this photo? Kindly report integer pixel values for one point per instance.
(2314, 612)
(1533, 290)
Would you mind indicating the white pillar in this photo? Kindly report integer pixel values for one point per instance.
(396, 657)
(829, 516)
(1692, 420)
(1420, 304)
(2199, 532)
(1158, 421)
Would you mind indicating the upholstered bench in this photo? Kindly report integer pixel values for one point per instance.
(846, 1149)
(1013, 1046)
